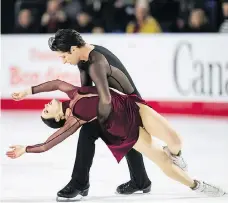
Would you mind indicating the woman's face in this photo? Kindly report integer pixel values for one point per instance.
(52, 109)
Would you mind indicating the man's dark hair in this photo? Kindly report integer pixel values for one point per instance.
(51, 122)
(64, 39)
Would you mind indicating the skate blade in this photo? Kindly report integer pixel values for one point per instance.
(140, 192)
(74, 199)
(224, 194)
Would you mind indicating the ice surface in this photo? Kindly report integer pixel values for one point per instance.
(38, 177)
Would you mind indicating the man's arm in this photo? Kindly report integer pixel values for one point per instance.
(98, 73)
(85, 79)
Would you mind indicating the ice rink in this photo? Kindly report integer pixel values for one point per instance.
(38, 177)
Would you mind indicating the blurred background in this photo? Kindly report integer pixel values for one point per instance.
(114, 16)
(176, 53)
(181, 42)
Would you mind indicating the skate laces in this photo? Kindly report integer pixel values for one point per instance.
(126, 185)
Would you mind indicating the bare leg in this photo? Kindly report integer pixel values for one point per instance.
(155, 153)
(157, 126)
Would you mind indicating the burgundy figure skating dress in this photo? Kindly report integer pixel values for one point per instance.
(120, 130)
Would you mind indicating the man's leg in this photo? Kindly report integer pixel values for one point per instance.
(139, 179)
(85, 152)
(79, 183)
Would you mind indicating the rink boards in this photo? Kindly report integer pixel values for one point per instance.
(176, 74)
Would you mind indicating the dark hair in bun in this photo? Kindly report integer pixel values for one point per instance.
(52, 123)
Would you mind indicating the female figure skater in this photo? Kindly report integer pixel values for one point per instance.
(131, 124)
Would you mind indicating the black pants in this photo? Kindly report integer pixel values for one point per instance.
(89, 133)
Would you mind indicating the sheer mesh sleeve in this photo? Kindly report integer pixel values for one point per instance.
(85, 79)
(52, 86)
(98, 73)
(60, 135)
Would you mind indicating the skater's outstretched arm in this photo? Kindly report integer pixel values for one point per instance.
(70, 127)
(49, 86)
(52, 86)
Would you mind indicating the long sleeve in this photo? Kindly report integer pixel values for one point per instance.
(85, 79)
(60, 135)
(98, 73)
(52, 86)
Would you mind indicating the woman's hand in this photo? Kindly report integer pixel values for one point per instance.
(17, 151)
(21, 95)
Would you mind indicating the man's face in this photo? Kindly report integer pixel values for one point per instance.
(72, 57)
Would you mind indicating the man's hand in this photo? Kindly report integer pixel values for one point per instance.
(104, 109)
